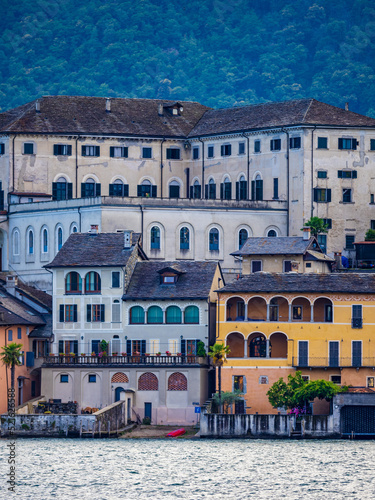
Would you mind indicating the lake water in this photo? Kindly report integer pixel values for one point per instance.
(153, 469)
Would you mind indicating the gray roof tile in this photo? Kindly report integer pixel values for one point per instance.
(285, 245)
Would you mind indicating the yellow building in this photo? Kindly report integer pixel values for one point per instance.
(277, 323)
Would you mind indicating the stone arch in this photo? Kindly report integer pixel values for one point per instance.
(235, 309)
(177, 382)
(278, 345)
(257, 345)
(235, 341)
(148, 382)
(323, 310)
(257, 309)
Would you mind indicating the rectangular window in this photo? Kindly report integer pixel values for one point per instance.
(295, 142)
(356, 353)
(357, 316)
(372, 199)
(372, 224)
(90, 150)
(92, 379)
(10, 335)
(256, 146)
(372, 144)
(119, 189)
(346, 195)
(95, 346)
(347, 143)
(303, 353)
(347, 174)
(116, 279)
(371, 382)
(2, 148)
(118, 152)
(275, 144)
(19, 333)
(68, 313)
(297, 313)
(62, 191)
(147, 153)
(28, 148)
(322, 174)
(64, 379)
(62, 149)
(328, 223)
(226, 150)
(275, 188)
(322, 143)
(196, 153)
(95, 313)
(241, 148)
(210, 152)
(274, 313)
(287, 265)
(173, 154)
(116, 312)
(336, 379)
(238, 384)
(349, 242)
(256, 266)
(322, 195)
(334, 354)
(322, 240)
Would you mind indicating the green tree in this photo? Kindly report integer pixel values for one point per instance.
(11, 358)
(321, 389)
(370, 235)
(281, 394)
(316, 225)
(227, 398)
(218, 353)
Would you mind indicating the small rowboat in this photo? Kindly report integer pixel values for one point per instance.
(178, 432)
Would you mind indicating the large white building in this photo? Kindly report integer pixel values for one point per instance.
(195, 182)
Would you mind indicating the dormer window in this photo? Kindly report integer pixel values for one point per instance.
(169, 279)
(170, 275)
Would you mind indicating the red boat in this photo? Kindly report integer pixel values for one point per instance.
(178, 432)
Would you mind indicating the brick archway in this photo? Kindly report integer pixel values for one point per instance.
(148, 382)
(177, 382)
(119, 378)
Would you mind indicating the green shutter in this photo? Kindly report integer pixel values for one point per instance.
(88, 313)
(61, 314)
(70, 190)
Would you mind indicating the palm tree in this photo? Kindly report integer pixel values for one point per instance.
(11, 358)
(218, 353)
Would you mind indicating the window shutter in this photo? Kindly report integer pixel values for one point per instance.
(112, 151)
(253, 190)
(83, 151)
(237, 190)
(221, 189)
(354, 143)
(69, 150)
(129, 347)
(125, 152)
(196, 346)
(75, 313)
(315, 194)
(199, 191)
(88, 313)
(206, 191)
(260, 197)
(97, 189)
(97, 150)
(61, 346)
(126, 189)
(183, 347)
(75, 347)
(222, 150)
(29, 359)
(143, 347)
(139, 190)
(354, 174)
(55, 149)
(328, 195)
(102, 313)
(191, 192)
(341, 143)
(339, 174)
(61, 313)
(153, 191)
(70, 190)
(54, 190)
(83, 190)
(111, 190)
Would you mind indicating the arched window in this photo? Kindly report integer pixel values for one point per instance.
(155, 238)
(30, 247)
(173, 315)
(90, 188)
(146, 189)
(258, 346)
(148, 382)
(272, 233)
(211, 190)
(241, 189)
(73, 228)
(257, 188)
(191, 315)
(59, 238)
(154, 315)
(45, 240)
(136, 315)
(177, 382)
(16, 242)
(62, 190)
(195, 190)
(174, 189)
(226, 189)
(214, 239)
(242, 237)
(73, 283)
(92, 282)
(184, 238)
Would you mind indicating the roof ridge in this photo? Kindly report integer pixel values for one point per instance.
(307, 110)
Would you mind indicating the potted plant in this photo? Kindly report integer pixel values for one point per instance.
(158, 354)
(167, 353)
(114, 353)
(61, 354)
(147, 354)
(72, 354)
(83, 354)
(93, 353)
(201, 352)
(179, 354)
(123, 354)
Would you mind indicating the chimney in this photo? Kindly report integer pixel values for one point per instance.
(108, 104)
(37, 106)
(94, 229)
(127, 239)
(306, 233)
(346, 106)
(160, 110)
(337, 256)
(11, 283)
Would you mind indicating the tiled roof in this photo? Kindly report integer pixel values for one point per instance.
(42, 298)
(308, 282)
(285, 245)
(85, 115)
(16, 312)
(277, 114)
(194, 283)
(94, 250)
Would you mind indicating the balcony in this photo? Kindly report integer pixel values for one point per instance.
(121, 361)
(326, 362)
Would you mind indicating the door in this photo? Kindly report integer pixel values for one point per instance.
(148, 410)
(118, 391)
(129, 409)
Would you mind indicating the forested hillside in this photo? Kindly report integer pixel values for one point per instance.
(218, 52)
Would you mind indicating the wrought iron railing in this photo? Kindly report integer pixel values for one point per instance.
(54, 360)
(326, 362)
